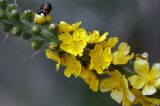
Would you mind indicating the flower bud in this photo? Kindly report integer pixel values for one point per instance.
(26, 35)
(37, 44)
(48, 18)
(13, 15)
(36, 30)
(2, 14)
(11, 7)
(7, 27)
(52, 27)
(16, 31)
(27, 15)
(3, 4)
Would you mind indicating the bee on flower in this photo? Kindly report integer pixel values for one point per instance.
(43, 14)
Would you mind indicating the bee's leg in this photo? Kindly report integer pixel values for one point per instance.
(5, 39)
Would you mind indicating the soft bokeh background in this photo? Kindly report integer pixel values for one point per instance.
(26, 81)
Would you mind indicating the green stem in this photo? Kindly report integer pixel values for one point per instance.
(45, 34)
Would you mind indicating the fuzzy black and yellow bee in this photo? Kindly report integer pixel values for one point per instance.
(42, 15)
(45, 9)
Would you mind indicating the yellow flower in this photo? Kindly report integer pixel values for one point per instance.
(143, 100)
(54, 56)
(74, 43)
(90, 78)
(73, 66)
(100, 58)
(147, 79)
(65, 27)
(118, 85)
(39, 19)
(96, 38)
(122, 55)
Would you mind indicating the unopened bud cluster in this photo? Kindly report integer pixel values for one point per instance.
(22, 25)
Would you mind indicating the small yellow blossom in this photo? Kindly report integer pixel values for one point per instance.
(147, 79)
(143, 100)
(65, 27)
(73, 66)
(122, 55)
(90, 78)
(39, 19)
(101, 58)
(118, 85)
(74, 43)
(54, 56)
(96, 38)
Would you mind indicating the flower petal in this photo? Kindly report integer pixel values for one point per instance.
(106, 84)
(116, 75)
(73, 66)
(127, 93)
(106, 57)
(123, 48)
(137, 81)
(112, 42)
(75, 26)
(54, 56)
(148, 90)
(117, 95)
(155, 71)
(65, 27)
(122, 55)
(103, 37)
(90, 78)
(141, 66)
(157, 82)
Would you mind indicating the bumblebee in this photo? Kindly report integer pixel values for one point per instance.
(45, 9)
(43, 14)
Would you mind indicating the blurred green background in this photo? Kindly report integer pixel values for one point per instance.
(26, 81)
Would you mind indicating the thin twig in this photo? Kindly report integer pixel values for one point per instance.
(5, 39)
